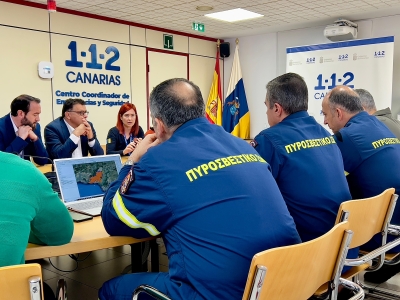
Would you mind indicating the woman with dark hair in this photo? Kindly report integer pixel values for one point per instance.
(122, 139)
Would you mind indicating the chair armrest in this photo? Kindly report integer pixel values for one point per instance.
(353, 287)
(373, 254)
(394, 230)
(156, 294)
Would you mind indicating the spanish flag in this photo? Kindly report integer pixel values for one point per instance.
(214, 103)
(236, 116)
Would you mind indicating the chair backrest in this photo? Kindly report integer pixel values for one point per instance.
(368, 216)
(296, 272)
(14, 282)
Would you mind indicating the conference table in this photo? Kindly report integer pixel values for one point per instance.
(91, 235)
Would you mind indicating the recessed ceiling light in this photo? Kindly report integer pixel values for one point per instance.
(234, 15)
(204, 8)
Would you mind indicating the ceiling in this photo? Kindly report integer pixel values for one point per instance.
(279, 15)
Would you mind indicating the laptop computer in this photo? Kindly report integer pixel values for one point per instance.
(84, 180)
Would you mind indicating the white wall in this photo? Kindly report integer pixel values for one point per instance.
(263, 57)
(259, 65)
(25, 43)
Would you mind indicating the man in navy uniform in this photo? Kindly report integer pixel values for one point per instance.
(209, 194)
(371, 156)
(20, 130)
(305, 160)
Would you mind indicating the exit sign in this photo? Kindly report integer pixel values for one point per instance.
(168, 42)
(198, 27)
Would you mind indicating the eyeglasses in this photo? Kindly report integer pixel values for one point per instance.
(81, 113)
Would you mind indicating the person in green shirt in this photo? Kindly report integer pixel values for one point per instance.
(30, 210)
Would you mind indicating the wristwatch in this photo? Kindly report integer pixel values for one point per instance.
(129, 163)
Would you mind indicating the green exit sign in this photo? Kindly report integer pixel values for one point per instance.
(168, 41)
(198, 27)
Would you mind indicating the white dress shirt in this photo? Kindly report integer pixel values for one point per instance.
(16, 133)
(77, 140)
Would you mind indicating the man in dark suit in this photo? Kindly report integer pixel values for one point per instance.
(20, 130)
(72, 135)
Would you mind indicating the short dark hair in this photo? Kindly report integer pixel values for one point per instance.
(173, 108)
(69, 103)
(22, 102)
(347, 99)
(366, 99)
(290, 91)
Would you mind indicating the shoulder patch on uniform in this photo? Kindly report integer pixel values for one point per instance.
(128, 180)
(339, 136)
(253, 143)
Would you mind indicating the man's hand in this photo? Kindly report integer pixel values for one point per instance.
(88, 129)
(23, 131)
(33, 136)
(141, 148)
(80, 130)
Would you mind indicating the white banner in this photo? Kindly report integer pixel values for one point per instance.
(360, 64)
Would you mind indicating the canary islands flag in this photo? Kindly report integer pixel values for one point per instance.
(236, 115)
(214, 103)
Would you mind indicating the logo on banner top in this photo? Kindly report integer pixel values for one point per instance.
(310, 60)
(379, 54)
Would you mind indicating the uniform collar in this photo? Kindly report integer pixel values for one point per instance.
(296, 115)
(361, 114)
(196, 121)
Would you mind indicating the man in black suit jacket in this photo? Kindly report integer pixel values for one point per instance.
(20, 130)
(72, 135)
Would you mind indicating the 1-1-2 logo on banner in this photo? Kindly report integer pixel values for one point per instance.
(326, 83)
(94, 61)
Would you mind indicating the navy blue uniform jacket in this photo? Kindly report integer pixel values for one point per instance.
(371, 156)
(308, 168)
(10, 142)
(214, 201)
(116, 142)
(59, 145)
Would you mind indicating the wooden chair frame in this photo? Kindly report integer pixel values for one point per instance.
(285, 268)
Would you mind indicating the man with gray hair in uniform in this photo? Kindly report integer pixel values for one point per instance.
(370, 164)
(383, 115)
(207, 193)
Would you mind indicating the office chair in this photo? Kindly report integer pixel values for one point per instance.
(293, 272)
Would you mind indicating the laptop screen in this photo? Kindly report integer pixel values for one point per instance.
(86, 177)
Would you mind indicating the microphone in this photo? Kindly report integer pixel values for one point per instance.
(40, 157)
